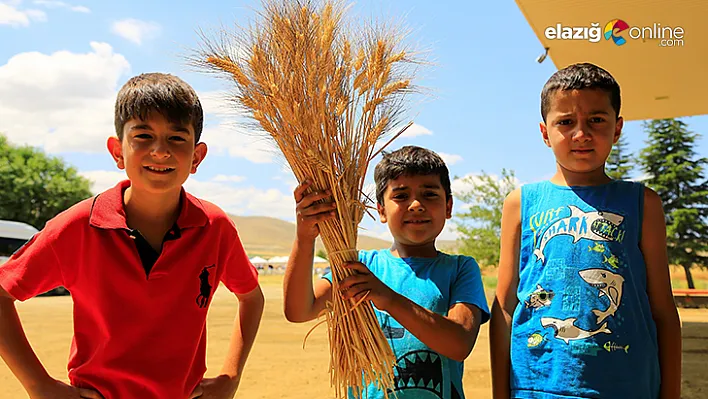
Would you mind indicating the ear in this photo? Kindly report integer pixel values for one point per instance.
(382, 213)
(115, 147)
(544, 133)
(618, 129)
(448, 208)
(200, 151)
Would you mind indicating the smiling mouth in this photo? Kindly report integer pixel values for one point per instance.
(159, 170)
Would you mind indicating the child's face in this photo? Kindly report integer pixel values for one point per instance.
(156, 154)
(415, 209)
(581, 127)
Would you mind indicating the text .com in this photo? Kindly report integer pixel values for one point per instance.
(618, 32)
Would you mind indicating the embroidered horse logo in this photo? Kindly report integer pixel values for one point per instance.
(204, 287)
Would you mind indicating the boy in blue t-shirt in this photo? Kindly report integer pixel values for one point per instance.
(429, 304)
(583, 307)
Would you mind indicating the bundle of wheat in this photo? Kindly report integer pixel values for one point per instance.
(326, 96)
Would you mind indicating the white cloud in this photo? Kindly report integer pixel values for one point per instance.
(414, 131)
(466, 184)
(450, 232)
(470, 180)
(102, 180)
(228, 179)
(136, 30)
(61, 101)
(244, 200)
(231, 134)
(13, 16)
(64, 102)
(227, 136)
(232, 199)
(370, 192)
(60, 4)
(450, 159)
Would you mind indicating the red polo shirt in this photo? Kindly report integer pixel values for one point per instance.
(136, 334)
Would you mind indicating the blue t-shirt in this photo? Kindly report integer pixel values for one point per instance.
(583, 326)
(435, 284)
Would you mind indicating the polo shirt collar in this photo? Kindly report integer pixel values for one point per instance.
(108, 212)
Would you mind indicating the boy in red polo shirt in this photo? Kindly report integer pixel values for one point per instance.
(142, 261)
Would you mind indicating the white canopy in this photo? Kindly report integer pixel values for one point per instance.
(257, 260)
(278, 259)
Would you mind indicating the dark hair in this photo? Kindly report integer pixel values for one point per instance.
(167, 94)
(409, 161)
(578, 77)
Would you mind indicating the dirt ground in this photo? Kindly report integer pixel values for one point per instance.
(278, 366)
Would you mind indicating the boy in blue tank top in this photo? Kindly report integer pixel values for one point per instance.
(583, 307)
(429, 304)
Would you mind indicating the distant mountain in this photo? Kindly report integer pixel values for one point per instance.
(266, 237)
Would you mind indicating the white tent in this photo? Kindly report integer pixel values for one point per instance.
(320, 260)
(257, 260)
(278, 260)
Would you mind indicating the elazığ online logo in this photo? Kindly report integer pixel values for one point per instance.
(617, 30)
(616, 26)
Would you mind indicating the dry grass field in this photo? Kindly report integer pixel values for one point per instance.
(280, 368)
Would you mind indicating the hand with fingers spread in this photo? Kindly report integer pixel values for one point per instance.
(362, 283)
(59, 390)
(310, 211)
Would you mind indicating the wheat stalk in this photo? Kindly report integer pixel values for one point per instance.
(325, 96)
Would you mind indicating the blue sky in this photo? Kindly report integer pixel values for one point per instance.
(61, 64)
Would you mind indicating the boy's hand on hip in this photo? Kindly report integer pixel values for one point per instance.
(221, 387)
(59, 390)
(309, 211)
(364, 283)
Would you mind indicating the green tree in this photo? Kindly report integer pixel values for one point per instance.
(321, 253)
(620, 162)
(35, 187)
(677, 175)
(480, 224)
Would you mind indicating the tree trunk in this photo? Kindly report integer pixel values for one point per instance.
(689, 278)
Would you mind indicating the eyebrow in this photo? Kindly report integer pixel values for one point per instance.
(173, 127)
(596, 112)
(404, 188)
(142, 126)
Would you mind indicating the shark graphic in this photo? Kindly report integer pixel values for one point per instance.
(419, 372)
(595, 226)
(539, 298)
(567, 331)
(610, 285)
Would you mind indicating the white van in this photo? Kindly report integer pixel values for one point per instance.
(13, 235)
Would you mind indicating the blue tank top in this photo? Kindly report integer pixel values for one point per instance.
(583, 326)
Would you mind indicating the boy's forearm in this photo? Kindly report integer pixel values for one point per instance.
(16, 350)
(499, 345)
(439, 333)
(250, 311)
(669, 340)
(298, 292)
